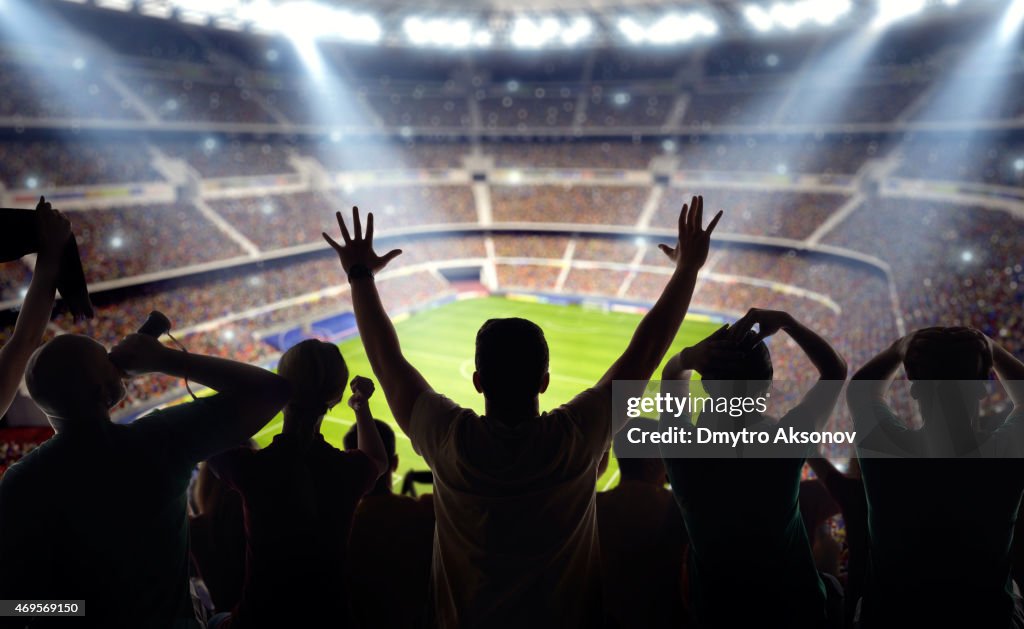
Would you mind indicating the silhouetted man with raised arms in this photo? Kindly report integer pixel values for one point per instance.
(940, 527)
(514, 491)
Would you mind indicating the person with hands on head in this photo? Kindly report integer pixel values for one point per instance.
(53, 229)
(299, 494)
(514, 490)
(741, 505)
(942, 498)
(98, 512)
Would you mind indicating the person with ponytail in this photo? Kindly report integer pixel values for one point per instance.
(299, 495)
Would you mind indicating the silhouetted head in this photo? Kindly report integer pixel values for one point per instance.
(954, 353)
(647, 470)
(72, 379)
(750, 376)
(351, 440)
(947, 368)
(511, 361)
(318, 377)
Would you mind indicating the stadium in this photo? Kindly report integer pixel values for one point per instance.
(527, 158)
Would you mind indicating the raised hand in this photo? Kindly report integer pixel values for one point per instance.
(362, 389)
(769, 322)
(717, 349)
(139, 354)
(691, 250)
(53, 229)
(358, 251)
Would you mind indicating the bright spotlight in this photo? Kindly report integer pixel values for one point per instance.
(443, 32)
(621, 99)
(891, 11)
(538, 32)
(116, 242)
(229, 335)
(967, 255)
(793, 15)
(673, 28)
(32, 182)
(1011, 21)
(639, 241)
(515, 177)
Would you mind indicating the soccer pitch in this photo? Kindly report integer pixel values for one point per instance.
(440, 343)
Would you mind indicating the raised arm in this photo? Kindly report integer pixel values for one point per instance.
(401, 382)
(659, 326)
(369, 441)
(53, 230)
(818, 403)
(1010, 371)
(248, 397)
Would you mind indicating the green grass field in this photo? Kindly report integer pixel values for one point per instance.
(439, 342)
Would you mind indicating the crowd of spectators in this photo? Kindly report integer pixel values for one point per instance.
(175, 99)
(420, 110)
(14, 280)
(362, 155)
(600, 205)
(436, 249)
(52, 91)
(759, 213)
(852, 105)
(607, 108)
(952, 264)
(528, 276)
(617, 155)
(532, 246)
(522, 112)
(978, 159)
(605, 249)
(781, 156)
(129, 241)
(46, 164)
(278, 221)
(602, 282)
(214, 157)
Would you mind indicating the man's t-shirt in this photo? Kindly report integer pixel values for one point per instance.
(389, 561)
(643, 543)
(516, 542)
(940, 531)
(750, 561)
(298, 501)
(98, 513)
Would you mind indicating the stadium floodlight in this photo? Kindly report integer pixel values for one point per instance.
(444, 32)
(891, 11)
(116, 5)
(672, 28)
(305, 20)
(1011, 21)
(793, 15)
(156, 8)
(538, 32)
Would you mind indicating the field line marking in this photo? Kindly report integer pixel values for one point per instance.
(611, 481)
